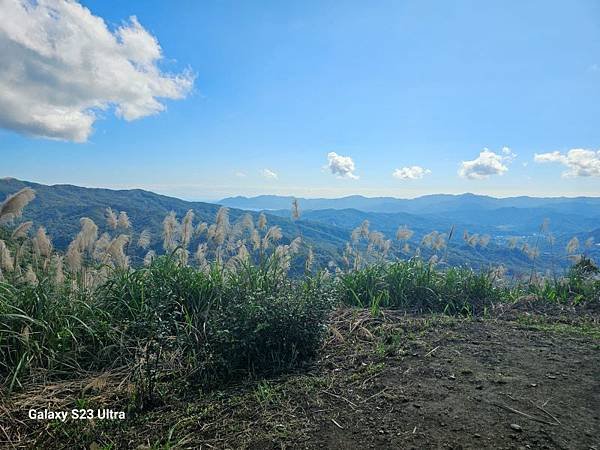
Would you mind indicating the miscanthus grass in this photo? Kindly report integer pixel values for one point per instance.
(218, 302)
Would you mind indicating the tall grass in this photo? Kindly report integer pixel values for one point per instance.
(418, 285)
(232, 313)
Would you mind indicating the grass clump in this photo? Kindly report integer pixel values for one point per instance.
(416, 284)
(209, 326)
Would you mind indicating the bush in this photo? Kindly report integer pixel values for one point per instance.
(212, 326)
(417, 285)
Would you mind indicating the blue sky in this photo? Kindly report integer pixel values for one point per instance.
(280, 85)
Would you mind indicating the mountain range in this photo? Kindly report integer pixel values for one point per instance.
(326, 224)
(437, 203)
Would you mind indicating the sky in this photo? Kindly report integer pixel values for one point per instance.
(203, 100)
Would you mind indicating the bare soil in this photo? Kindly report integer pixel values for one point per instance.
(386, 382)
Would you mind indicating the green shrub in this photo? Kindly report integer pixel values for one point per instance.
(417, 285)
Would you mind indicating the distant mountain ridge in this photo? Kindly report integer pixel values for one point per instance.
(435, 203)
(60, 207)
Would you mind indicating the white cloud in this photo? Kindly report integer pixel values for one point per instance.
(486, 164)
(269, 174)
(580, 162)
(342, 166)
(410, 173)
(240, 174)
(61, 65)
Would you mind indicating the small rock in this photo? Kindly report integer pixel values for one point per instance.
(533, 385)
(516, 427)
(477, 435)
(552, 377)
(452, 377)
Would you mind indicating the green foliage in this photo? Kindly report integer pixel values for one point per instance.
(417, 285)
(211, 327)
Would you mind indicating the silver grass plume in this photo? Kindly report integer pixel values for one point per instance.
(295, 245)
(150, 256)
(273, 235)
(404, 233)
(295, 209)
(473, 240)
(88, 234)
(221, 225)
(240, 258)
(42, 243)
(6, 260)
(201, 229)
(439, 243)
(170, 227)
(200, 255)
(187, 228)
(484, 240)
(406, 248)
(387, 245)
(111, 219)
(30, 276)
(572, 245)
(116, 250)
(262, 221)
(255, 239)
(429, 240)
(73, 257)
(12, 206)
(364, 229)
(21, 231)
(144, 239)
(376, 238)
(512, 242)
(247, 222)
(310, 257)
(100, 253)
(59, 276)
(123, 221)
(589, 242)
(282, 257)
(182, 255)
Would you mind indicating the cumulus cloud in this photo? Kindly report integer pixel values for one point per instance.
(486, 164)
(342, 166)
(61, 65)
(411, 173)
(268, 174)
(579, 162)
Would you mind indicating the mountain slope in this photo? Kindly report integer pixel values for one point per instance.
(60, 207)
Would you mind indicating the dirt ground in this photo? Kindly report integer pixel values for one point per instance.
(387, 382)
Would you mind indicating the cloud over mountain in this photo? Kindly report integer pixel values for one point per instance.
(411, 173)
(580, 162)
(342, 166)
(61, 65)
(486, 164)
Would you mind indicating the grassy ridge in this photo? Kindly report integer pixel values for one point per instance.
(214, 326)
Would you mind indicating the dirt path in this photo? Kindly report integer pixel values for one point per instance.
(384, 383)
(471, 385)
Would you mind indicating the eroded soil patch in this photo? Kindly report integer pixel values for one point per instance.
(394, 381)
